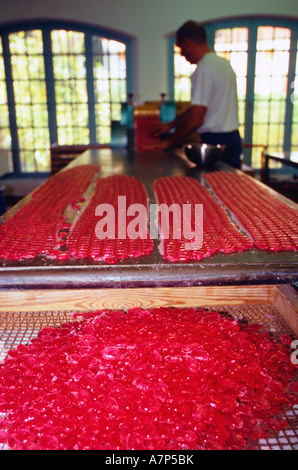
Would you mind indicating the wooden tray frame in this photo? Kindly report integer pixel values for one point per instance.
(284, 298)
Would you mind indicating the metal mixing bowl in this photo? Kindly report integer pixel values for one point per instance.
(204, 154)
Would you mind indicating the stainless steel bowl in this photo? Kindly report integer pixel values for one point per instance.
(204, 154)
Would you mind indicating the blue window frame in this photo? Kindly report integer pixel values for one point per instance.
(59, 83)
(263, 52)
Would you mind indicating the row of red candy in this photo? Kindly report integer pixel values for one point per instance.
(219, 232)
(35, 228)
(110, 242)
(160, 379)
(271, 223)
(40, 226)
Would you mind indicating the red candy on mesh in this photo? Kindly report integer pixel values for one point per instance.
(84, 240)
(220, 235)
(164, 378)
(271, 223)
(35, 229)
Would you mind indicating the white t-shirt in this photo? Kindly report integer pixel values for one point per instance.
(214, 86)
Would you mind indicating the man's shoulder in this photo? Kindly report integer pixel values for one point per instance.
(213, 57)
(216, 63)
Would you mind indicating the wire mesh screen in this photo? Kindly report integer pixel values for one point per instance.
(20, 328)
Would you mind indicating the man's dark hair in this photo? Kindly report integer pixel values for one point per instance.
(191, 30)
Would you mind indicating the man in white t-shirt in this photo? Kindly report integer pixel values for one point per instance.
(213, 111)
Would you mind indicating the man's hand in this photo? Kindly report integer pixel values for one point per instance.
(184, 124)
(160, 128)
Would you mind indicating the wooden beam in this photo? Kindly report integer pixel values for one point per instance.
(96, 299)
(285, 300)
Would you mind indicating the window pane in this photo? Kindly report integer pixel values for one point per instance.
(182, 73)
(65, 42)
(28, 73)
(69, 63)
(5, 137)
(261, 111)
(238, 61)
(103, 121)
(102, 91)
(116, 112)
(271, 81)
(295, 136)
(232, 44)
(103, 112)
(109, 72)
(103, 134)
(231, 39)
(241, 111)
(117, 66)
(273, 38)
(117, 91)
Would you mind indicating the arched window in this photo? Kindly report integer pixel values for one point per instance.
(263, 53)
(59, 83)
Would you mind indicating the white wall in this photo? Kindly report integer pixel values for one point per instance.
(149, 22)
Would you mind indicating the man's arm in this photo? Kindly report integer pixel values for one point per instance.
(187, 122)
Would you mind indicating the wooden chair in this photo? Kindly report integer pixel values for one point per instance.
(62, 155)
